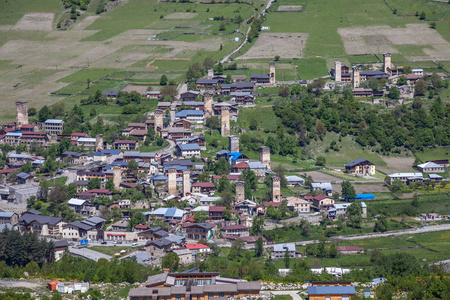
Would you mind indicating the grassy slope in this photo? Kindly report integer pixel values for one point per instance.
(143, 14)
(323, 18)
(13, 11)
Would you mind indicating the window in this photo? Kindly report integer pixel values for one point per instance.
(232, 295)
(345, 297)
(327, 298)
(178, 297)
(177, 282)
(221, 295)
(198, 297)
(210, 295)
(207, 281)
(200, 282)
(135, 298)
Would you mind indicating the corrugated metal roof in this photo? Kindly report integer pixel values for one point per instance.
(331, 290)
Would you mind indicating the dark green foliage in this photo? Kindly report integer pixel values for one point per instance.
(348, 191)
(170, 261)
(94, 183)
(18, 249)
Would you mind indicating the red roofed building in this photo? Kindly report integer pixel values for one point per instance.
(198, 248)
(231, 178)
(203, 187)
(274, 204)
(350, 249)
(240, 167)
(125, 145)
(216, 212)
(236, 230)
(141, 227)
(28, 127)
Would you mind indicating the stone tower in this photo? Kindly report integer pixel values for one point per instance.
(21, 114)
(172, 115)
(208, 103)
(387, 63)
(172, 182)
(117, 176)
(240, 191)
(210, 73)
(186, 182)
(99, 142)
(276, 194)
(337, 71)
(264, 156)
(272, 79)
(225, 121)
(159, 119)
(355, 77)
(233, 143)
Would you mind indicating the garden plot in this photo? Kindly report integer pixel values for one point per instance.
(181, 16)
(286, 45)
(289, 8)
(363, 188)
(35, 21)
(397, 165)
(321, 177)
(379, 39)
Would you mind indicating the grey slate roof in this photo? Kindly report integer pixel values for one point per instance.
(331, 290)
(356, 162)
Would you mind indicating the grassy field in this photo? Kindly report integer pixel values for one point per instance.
(432, 9)
(12, 11)
(143, 14)
(311, 68)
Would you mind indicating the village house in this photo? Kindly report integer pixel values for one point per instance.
(326, 292)
(166, 214)
(188, 150)
(279, 251)
(324, 187)
(80, 206)
(194, 105)
(9, 217)
(152, 234)
(203, 285)
(43, 225)
(321, 202)
(430, 167)
(193, 116)
(125, 145)
(236, 230)
(295, 180)
(198, 231)
(203, 188)
(298, 205)
(153, 94)
(406, 177)
(72, 157)
(189, 96)
(110, 94)
(182, 123)
(360, 167)
(23, 178)
(206, 83)
(54, 127)
(350, 249)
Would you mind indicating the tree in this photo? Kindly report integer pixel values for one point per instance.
(321, 161)
(320, 129)
(200, 216)
(257, 226)
(385, 291)
(44, 114)
(276, 58)
(420, 88)
(109, 185)
(170, 261)
(287, 259)
(219, 69)
(433, 25)
(137, 217)
(226, 215)
(94, 183)
(407, 69)
(422, 16)
(163, 80)
(237, 249)
(354, 212)
(402, 80)
(169, 91)
(132, 166)
(224, 184)
(88, 81)
(259, 249)
(348, 191)
(56, 197)
(394, 93)
(284, 91)
(208, 62)
(396, 186)
(223, 26)
(381, 225)
(26, 168)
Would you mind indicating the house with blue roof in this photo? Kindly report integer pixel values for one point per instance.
(193, 116)
(188, 150)
(55, 127)
(167, 214)
(236, 157)
(331, 292)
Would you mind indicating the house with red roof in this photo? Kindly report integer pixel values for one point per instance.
(321, 202)
(240, 167)
(236, 230)
(203, 188)
(249, 240)
(198, 248)
(216, 212)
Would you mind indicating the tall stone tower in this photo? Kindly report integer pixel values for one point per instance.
(159, 119)
(208, 104)
(355, 77)
(172, 182)
(117, 176)
(387, 63)
(240, 191)
(264, 156)
(210, 73)
(99, 142)
(276, 189)
(21, 114)
(337, 71)
(186, 182)
(172, 115)
(272, 79)
(233, 143)
(225, 121)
